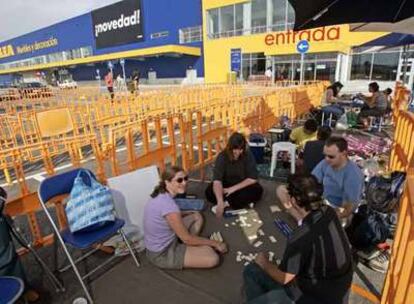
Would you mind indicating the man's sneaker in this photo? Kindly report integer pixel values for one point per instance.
(379, 263)
(367, 255)
(214, 208)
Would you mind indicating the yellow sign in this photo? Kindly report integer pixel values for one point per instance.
(27, 48)
(6, 51)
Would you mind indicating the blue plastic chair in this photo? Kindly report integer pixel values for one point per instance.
(61, 184)
(11, 288)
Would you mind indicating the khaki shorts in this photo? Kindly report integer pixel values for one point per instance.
(171, 257)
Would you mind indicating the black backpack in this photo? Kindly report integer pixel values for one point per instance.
(383, 193)
(368, 229)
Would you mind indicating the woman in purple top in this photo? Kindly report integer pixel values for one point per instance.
(165, 225)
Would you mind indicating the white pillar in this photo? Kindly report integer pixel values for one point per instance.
(338, 67)
(345, 74)
(247, 18)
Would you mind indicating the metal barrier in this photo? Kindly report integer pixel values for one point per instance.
(190, 130)
(399, 283)
(194, 131)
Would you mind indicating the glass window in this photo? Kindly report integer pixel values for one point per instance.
(325, 70)
(309, 57)
(361, 66)
(213, 23)
(55, 57)
(309, 70)
(259, 12)
(385, 66)
(290, 15)
(75, 53)
(253, 64)
(327, 56)
(278, 15)
(159, 35)
(86, 51)
(245, 66)
(239, 19)
(227, 20)
(38, 60)
(190, 34)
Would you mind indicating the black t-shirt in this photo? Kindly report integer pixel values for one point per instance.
(233, 172)
(313, 154)
(319, 254)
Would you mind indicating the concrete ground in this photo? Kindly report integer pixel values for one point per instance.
(124, 283)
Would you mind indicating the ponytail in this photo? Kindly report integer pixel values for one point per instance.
(159, 189)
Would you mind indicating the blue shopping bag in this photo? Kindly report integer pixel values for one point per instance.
(89, 206)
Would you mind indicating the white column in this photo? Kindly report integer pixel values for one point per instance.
(345, 74)
(269, 14)
(338, 67)
(247, 18)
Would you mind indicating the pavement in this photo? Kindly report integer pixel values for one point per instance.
(124, 283)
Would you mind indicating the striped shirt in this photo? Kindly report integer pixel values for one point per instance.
(319, 254)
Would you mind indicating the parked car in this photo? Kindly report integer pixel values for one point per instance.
(34, 90)
(67, 84)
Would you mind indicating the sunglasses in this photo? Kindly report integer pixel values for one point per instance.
(180, 180)
(330, 156)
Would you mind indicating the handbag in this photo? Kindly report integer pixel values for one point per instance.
(90, 205)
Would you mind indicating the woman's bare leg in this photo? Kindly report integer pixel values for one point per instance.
(193, 221)
(200, 257)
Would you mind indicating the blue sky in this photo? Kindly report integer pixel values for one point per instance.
(19, 17)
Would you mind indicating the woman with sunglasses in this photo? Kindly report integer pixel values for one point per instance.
(234, 178)
(171, 236)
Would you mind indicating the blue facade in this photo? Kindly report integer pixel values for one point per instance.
(71, 34)
(166, 67)
(158, 16)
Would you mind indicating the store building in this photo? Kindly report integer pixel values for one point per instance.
(250, 36)
(191, 41)
(159, 38)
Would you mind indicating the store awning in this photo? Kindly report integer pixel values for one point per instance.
(153, 51)
(392, 40)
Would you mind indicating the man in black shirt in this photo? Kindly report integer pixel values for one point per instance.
(317, 264)
(313, 152)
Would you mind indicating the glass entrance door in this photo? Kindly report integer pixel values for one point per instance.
(283, 71)
(320, 66)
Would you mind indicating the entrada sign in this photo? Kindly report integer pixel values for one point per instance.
(291, 37)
